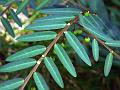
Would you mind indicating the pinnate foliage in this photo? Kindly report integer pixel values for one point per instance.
(61, 20)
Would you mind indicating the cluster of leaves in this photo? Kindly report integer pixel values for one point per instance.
(65, 18)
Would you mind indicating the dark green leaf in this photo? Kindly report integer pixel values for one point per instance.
(108, 64)
(52, 68)
(8, 27)
(40, 82)
(78, 47)
(15, 17)
(95, 49)
(113, 43)
(90, 27)
(65, 60)
(66, 11)
(18, 65)
(11, 84)
(27, 52)
(60, 18)
(22, 6)
(38, 36)
(46, 25)
(9, 2)
(42, 4)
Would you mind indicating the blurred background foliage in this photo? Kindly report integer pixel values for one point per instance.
(89, 78)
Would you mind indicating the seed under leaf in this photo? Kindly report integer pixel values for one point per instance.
(11, 84)
(87, 13)
(40, 82)
(95, 49)
(52, 68)
(108, 64)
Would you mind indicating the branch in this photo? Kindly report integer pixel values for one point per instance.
(46, 53)
(6, 9)
(102, 43)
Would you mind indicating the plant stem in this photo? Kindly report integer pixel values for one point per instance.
(6, 9)
(107, 47)
(102, 43)
(46, 53)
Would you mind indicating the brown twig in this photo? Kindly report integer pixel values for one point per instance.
(45, 53)
(6, 9)
(103, 43)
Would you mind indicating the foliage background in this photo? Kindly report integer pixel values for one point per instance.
(89, 78)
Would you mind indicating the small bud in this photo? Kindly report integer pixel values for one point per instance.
(111, 51)
(38, 62)
(87, 39)
(68, 24)
(43, 56)
(87, 13)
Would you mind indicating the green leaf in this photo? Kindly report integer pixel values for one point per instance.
(65, 60)
(46, 25)
(9, 2)
(8, 27)
(18, 65)
(95, 49)
(91, 28)
(52, 68)
(108, 64)
(63, 11)
(42, 4)
(27, 52)
(38, 36)
(40, 82)
(113, 43)
(11, 84)
(22, 6)
(117, 2)
(78, 47)
(60, 18)
(15, 17)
